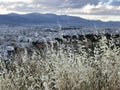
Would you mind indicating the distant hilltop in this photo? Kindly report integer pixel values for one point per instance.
(37, 18)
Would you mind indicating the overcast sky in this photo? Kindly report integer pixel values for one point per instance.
(106, 10)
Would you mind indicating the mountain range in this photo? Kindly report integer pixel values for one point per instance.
(37, 18)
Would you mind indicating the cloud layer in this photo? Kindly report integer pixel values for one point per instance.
(78, 7)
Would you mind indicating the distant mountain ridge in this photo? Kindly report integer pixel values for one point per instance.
(37, 18)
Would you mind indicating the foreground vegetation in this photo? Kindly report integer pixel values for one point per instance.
(72, 65)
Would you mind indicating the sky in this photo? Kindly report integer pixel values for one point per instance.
(105, 10)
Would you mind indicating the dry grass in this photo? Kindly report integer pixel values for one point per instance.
(65, 69)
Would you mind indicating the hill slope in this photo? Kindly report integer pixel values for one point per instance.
(36, 18)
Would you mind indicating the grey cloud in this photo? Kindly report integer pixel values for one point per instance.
(81, 3)
(49, 3)
(116, 3)
(70, 3)
(28, 8)
(111, 2)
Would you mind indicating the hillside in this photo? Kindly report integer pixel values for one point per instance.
(37, 18)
